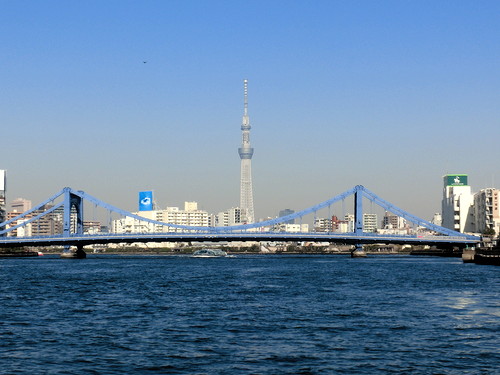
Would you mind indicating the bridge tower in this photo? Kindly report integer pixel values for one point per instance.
(246, 153)
(358, 222)
(72, 219)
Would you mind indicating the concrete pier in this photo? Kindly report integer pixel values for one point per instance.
(79, 253)
(358, 252)
(468, 255)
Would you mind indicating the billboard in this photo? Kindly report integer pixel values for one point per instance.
(456, 180)
(145, 201)
(2, 179)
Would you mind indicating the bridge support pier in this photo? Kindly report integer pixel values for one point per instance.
(79, 253)
(358, 252)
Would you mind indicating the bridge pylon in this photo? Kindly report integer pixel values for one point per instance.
(72, 219)
(358, 251)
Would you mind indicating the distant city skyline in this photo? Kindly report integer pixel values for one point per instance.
(390, 95)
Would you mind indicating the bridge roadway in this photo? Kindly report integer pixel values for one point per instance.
(347, 238)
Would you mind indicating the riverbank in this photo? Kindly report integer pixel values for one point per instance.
(19, 254)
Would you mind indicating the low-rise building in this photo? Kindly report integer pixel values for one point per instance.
(190, 216)
(322, 225)
(391, 221)
(294, 228)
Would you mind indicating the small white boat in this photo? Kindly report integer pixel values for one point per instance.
(209, 253)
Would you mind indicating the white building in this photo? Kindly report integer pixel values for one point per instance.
(437, 219)
(457, 212)
(486, 211)
(348, 224)
(294, 228)
(230, 217)
(23, 231)
(172, 215)
(370, 222)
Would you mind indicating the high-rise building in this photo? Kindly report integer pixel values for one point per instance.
(2, 198)
(20, 205)
(228, 218)
(246, 153)
(286, 212)
(23, 230)
(50, 224)
(457, 210)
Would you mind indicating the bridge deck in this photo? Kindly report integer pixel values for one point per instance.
(348, 238)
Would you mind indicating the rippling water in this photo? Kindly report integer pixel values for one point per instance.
(248, 315)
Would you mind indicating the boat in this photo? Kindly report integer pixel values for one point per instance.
(209, 253)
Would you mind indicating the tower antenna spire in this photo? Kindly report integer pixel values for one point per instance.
(245, 90)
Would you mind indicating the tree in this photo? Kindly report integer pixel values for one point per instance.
(489, 232)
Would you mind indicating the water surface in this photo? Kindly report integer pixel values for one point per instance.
(248, 315)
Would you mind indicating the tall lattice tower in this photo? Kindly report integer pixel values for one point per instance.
(246, 152)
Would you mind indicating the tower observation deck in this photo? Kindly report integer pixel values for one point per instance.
(246, 153)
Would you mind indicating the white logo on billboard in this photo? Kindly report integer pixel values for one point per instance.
(457, 180)
(146, 201)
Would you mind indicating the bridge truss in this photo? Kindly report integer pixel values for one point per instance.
(70, 217)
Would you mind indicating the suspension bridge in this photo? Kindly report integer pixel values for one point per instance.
(67, 207)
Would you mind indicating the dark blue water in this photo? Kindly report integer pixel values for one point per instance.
(248, 315)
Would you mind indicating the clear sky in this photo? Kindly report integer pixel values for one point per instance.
(115, 97)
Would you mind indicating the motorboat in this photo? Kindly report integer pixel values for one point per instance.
(209, 253)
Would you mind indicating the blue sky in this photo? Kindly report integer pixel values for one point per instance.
(391, 95)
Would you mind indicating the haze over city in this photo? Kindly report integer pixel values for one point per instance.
(117, 97)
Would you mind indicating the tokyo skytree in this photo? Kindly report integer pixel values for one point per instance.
(246, 152)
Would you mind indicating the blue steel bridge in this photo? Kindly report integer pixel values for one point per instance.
(70, 208)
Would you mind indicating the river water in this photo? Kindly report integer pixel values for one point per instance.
(261, 314)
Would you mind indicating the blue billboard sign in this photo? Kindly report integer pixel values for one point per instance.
(145, 201)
